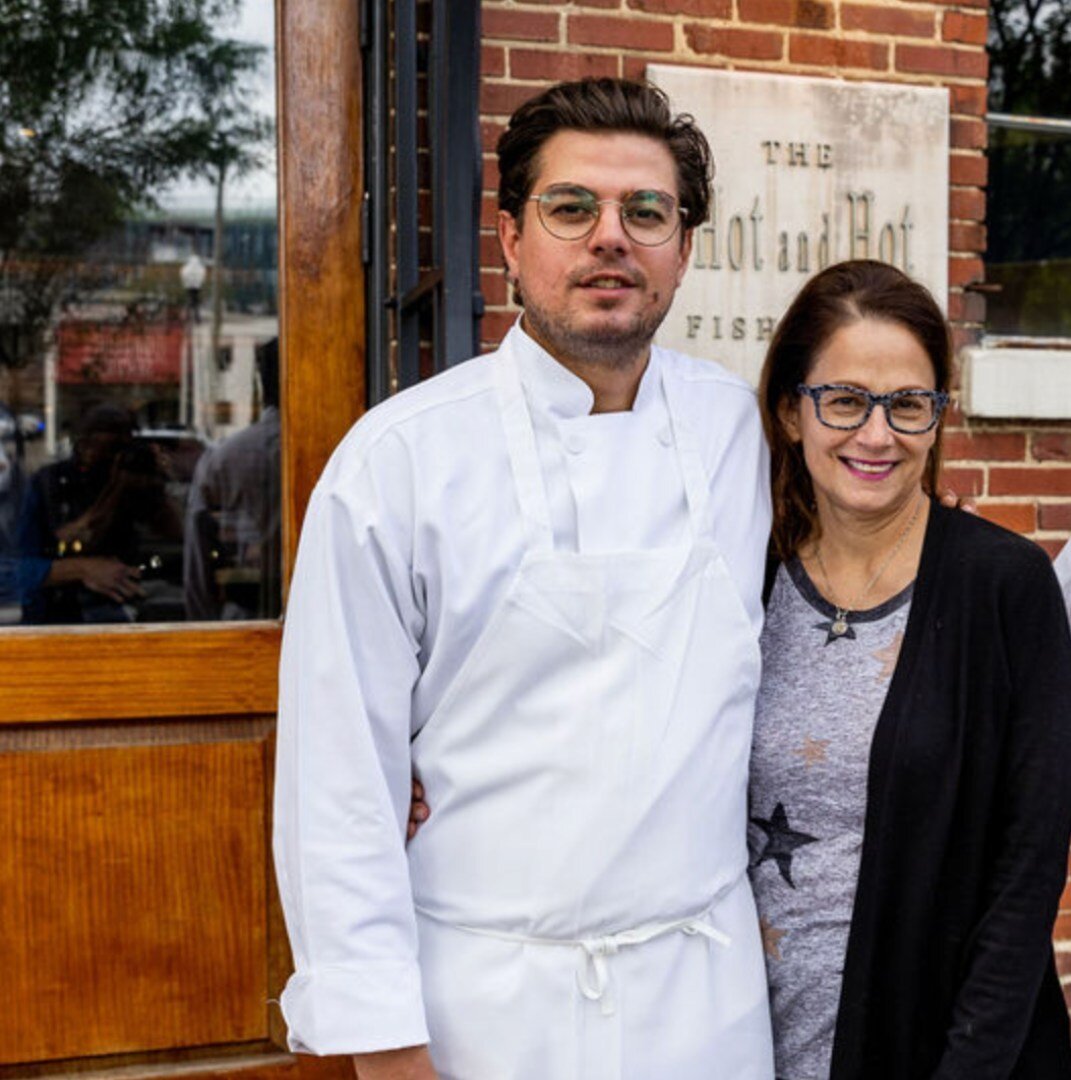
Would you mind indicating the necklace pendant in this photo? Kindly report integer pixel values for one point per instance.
(838, 628)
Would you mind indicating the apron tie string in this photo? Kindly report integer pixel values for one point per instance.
(596, 950)
(593, 974)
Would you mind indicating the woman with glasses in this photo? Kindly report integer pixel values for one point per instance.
(910, 793)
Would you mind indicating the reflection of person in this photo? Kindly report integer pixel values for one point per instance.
(10, 498)
(10, 495)
(536, 578)
(83, 520)
(910, 797)
(233, 517)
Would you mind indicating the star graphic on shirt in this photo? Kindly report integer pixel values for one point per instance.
(781, 842)
(771, 939)
(827, 626)
(813, 751)
(889, 655)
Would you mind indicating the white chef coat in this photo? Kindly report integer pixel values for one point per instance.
(413, 535)
(1062, 566)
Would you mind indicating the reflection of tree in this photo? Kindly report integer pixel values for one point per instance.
(232, 138)
(1030, 175)
(101, 103)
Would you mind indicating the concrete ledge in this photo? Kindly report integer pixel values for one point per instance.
(1017, 382)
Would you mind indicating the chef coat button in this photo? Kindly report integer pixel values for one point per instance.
(665, 437)
(574, 444)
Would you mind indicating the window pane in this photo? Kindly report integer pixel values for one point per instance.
(1029, 234)
(1028, 208)
(139, 424)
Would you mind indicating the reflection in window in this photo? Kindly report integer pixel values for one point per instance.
(139, 449)
(1029, 235)
(1029, 192)
(233, 525)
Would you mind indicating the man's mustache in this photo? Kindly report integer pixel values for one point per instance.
(628, 275)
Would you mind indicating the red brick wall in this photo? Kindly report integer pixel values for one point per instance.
(530, 43)
(1020, 474)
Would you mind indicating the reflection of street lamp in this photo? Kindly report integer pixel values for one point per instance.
(192, 274)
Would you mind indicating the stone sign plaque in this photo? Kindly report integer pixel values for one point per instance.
(808, 172)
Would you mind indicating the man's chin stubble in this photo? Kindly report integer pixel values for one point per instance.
(606, 347)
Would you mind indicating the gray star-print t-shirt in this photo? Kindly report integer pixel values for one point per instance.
(817, 708)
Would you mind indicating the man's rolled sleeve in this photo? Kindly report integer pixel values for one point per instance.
(377, 1006)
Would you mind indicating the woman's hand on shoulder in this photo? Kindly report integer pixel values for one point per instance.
(952, 501)
(419, 810)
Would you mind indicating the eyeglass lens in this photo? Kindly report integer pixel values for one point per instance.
(844, 407)
(570, 213)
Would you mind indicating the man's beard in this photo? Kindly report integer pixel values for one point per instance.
(607, 345)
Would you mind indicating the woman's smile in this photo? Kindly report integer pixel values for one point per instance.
(872, 471)
(869, 470)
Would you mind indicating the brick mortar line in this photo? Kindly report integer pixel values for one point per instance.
(837, 6)
(919, 78)
(568, 9)
(681, 47)
(724, 63)
(734, 22)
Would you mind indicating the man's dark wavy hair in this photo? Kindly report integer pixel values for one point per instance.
(603, 105)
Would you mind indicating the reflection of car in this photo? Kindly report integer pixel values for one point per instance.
(30, 425)
(177, 452)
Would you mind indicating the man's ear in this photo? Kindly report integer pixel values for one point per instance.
(788, 412)
(686, 253)
(509, 236)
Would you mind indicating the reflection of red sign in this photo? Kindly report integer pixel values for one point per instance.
(93, 352)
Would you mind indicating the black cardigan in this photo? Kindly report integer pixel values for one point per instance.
(949, 973)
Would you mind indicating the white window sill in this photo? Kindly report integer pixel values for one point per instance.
(1014, 379)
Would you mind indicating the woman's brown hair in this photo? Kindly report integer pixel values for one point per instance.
(836, 297)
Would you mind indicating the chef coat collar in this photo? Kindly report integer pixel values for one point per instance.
(556, 390)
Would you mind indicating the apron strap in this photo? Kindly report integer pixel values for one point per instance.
(523, 455)
(696, 484)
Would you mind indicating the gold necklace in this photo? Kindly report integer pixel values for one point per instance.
(840, 625)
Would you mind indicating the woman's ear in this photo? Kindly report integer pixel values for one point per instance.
(788, 412)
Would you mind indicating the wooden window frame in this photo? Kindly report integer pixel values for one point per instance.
(75, 674)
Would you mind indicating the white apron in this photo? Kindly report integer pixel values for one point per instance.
(583, 906)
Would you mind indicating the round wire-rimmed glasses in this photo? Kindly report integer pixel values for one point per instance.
(570, 212)
(845, 408)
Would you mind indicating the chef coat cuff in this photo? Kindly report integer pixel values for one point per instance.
(361, 1010)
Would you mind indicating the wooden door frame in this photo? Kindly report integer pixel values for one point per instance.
(128, 679)
(83, 674)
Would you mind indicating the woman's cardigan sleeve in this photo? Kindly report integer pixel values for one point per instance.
(1011, 948)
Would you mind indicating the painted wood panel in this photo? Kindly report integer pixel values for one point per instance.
(132, 672)
(133, 897)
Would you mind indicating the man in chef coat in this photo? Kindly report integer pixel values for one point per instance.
(1062, 566)
(534, 581)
